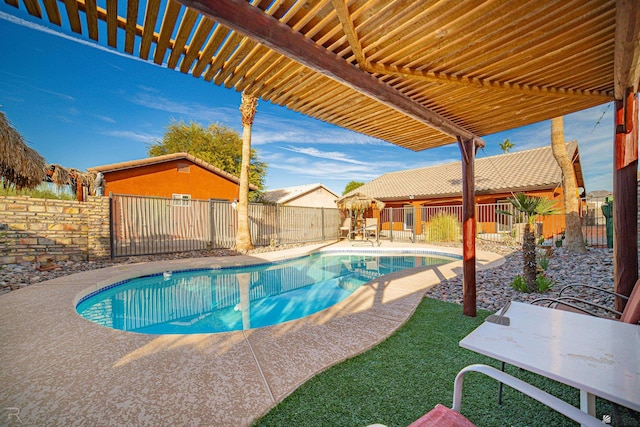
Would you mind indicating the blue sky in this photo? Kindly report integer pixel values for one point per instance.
(81, 105)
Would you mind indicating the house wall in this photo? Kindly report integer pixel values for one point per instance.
(173, 177)
(35, 230)
(318, 198)
(551, 226)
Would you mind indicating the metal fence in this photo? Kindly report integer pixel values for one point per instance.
(152, 225)
(148, 225)
(495, 222)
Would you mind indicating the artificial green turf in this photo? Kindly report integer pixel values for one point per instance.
(405, 376)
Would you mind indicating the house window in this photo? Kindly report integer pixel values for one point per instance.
(408, 211)
(183, 167)
(181, 200)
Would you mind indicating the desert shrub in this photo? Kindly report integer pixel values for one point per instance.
(519, 284)
(442, 228)
(543, 261)
(543, 283)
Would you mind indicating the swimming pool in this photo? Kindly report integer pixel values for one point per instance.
(230, 299)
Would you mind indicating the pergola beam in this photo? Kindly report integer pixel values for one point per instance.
(265, 29)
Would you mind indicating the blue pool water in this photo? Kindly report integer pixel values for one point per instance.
(230, 299)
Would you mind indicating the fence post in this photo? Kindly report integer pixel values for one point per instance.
(277, 224)
(111, 225)
(390, 224)
(211, 226)
(415, 223)
(322, 220)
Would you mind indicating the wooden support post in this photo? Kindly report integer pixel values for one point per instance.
(467, 149)
(79, 186)
(625, 197)
(417, 219)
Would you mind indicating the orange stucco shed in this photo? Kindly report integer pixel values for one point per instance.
(171, 175)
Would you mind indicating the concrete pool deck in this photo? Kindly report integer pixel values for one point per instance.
(57, 368)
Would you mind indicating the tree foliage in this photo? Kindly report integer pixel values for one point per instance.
(506, 145)
(352, 185)
(216, 145)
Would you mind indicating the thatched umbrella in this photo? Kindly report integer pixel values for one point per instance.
(74, 178)
(358, 202)
(20, 165)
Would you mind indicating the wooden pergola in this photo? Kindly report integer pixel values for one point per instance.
(418, 74)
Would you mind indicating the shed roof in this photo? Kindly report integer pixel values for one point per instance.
(284, 195)
(519, 171)
(413, 73)
(167, 158)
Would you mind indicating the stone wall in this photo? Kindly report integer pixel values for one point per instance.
(35, 230)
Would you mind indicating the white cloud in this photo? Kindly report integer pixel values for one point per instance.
(104, 118)
(195, 111)
(43, 29)
(326, 171)
(15, 80)
(56, 94)
(135, 136)
(332, 155)
(270, 129)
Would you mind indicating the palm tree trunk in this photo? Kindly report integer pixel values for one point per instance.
(243, 237)
(574, 241)
(529, 264)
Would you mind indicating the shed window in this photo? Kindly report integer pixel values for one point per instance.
(181, 200)
(183, 167)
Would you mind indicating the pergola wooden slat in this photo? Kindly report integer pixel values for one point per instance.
(416, 74)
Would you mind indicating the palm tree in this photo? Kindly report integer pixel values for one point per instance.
(574, 239)
(530, 207)
(248, 110)
(506, 146)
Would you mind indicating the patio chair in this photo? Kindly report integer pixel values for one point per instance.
(630, 314)
(441, 416)
(346, 227)
(371, 228)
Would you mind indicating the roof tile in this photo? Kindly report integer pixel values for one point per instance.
(518, 171)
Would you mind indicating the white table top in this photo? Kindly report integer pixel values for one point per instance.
(599, 356)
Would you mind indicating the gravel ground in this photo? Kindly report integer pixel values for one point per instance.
(493, 288)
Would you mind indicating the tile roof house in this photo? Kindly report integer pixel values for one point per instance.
(534, 172)
(310, 195)
(178, 175)
(529, 171)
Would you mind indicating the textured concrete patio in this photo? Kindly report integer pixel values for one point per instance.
(57, 368)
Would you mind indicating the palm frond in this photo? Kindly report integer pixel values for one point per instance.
(531, 206)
